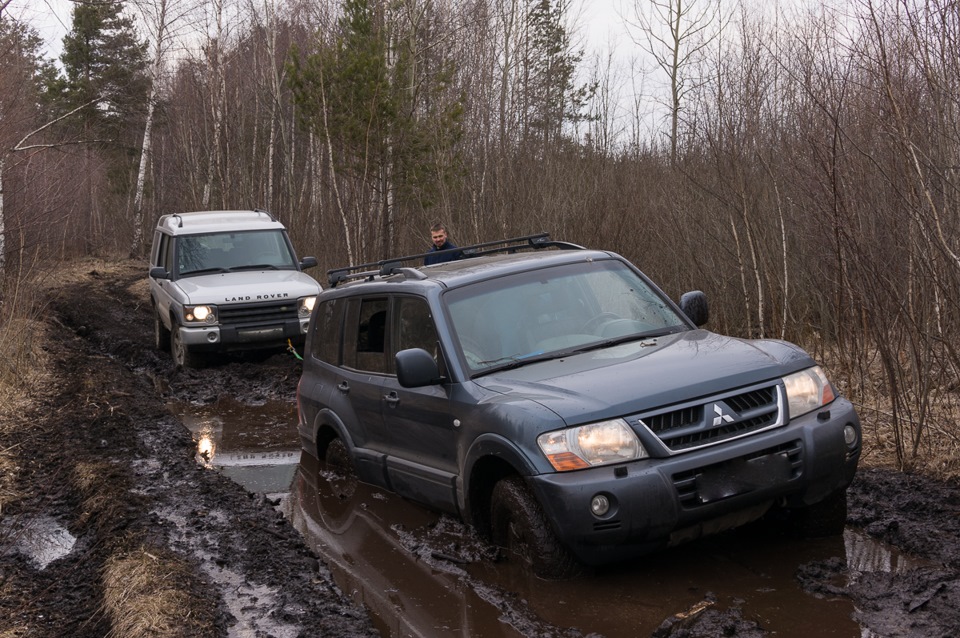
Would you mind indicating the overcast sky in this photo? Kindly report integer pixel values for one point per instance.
(51, 18)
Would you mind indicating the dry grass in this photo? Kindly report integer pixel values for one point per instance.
(23, 371)
(144, 595)
(937, 453)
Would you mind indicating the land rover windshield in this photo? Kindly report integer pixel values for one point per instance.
(530, 316)
(230, 252)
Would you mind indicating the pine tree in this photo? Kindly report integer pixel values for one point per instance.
(104, 63)
(375, 94)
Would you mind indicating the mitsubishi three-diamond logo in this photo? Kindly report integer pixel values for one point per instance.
(721, 417)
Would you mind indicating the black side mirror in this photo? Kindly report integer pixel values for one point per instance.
(159, 272)
(416, 368)
(694, 305)
(308, 262)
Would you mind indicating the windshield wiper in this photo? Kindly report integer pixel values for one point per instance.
(616, 341)
(254, 267)
(515, 361)
(204, 271)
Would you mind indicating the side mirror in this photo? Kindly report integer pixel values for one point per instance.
(694, 305)
(159, 272)
(308, 262)
(416, 368)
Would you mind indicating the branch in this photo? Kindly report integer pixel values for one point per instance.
(17, 146)
(59, 144)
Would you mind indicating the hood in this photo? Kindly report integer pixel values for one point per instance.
(642, 375)
(248, 286)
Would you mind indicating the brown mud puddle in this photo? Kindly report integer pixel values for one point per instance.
(423, 574)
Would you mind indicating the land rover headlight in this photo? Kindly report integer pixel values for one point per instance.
(200, 314)
(591, 445)
(807, 390)
(306, 305)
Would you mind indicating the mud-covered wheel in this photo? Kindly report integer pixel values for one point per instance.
(338, 484)
(826, 518)
(519, 525)
(182, 357)
(337, 457)
(161, 335)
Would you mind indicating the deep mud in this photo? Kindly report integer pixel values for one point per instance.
(104, 459)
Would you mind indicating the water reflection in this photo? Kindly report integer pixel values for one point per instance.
(41, 539)
(422, 574)
(257, 446)
(865, 554)
(398, 560)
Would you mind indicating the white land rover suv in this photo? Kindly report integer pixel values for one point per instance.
(227, 280)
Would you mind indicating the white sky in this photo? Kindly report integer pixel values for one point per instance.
(51, 18)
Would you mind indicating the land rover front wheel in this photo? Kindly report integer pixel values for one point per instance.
(182, 357)
(519, 525)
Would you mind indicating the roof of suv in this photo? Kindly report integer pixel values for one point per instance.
(215, 221)
(479, 262)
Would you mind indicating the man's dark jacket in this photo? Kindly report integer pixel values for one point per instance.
(442, 257)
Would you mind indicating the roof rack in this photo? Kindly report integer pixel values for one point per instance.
(394, 265)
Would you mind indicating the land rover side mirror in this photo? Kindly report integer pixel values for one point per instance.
(694, 305)
(159, 272)
(308, 262)
(416, 368)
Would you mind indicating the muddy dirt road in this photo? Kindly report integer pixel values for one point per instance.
(190, 481)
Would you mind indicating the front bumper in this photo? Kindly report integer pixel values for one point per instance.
(228, 338)
(657, 502)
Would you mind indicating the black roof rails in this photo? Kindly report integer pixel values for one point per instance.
(386, 267)
(265, 212)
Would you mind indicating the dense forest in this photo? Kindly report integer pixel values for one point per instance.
(799, 162)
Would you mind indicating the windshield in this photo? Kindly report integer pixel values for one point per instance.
(535, 315)
(228, 252)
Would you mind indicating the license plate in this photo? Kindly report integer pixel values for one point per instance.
(260, 334)
(742, 476)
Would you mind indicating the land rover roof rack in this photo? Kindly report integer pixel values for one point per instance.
(394, 265)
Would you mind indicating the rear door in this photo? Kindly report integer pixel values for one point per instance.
(356, 389)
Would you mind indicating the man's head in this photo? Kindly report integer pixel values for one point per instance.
(438, 234)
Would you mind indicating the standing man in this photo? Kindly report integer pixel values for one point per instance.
(441, 241)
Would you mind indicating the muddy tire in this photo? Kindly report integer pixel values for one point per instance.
(182, 357)
(161, 335)
(337, 457)
(519, 525)
(826, 518)
(337, 487)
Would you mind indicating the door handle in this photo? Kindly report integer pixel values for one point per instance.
(344, 387)
(392, 398)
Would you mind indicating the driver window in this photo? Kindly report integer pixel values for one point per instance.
(415, 327)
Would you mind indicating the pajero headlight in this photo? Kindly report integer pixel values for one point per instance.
(200, 314)
(807, 390)
(591, 445)
(306, 306)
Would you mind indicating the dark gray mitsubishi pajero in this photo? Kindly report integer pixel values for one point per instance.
(556, 399)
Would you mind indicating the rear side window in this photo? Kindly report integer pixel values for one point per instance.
(325, 340)
(365, 335)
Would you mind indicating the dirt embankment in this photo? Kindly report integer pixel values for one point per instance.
(165, 547)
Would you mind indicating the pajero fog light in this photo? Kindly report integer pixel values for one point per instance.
(591, 445)
(306, 306)
(807, 390)
(599, 505)
(850, 435)
(200, 314)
